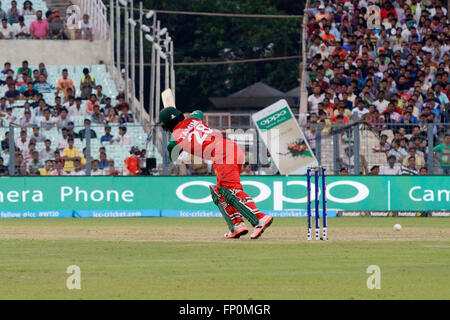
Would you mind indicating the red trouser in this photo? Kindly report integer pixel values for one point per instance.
(228, 165)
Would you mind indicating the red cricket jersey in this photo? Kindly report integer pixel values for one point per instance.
(195, 137)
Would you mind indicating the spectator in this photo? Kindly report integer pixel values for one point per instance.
(65, 83)
(28, 120)
(103, 163)
(78, 171)
(111, 170)
(70, 154)
(85, 30)
(56, 28)
(123, 138)
(35, 164)
(71, 24)
(18, 160)
(3, 169)
(390, 169)
(383, 146)
(29, 92)
(5, 143)
(58, 170)
(37, 135)
(56, 109)
(3, 104)
(84, 159)
(70, 103)
(47, 170)
(121, 103)
(82, 133)
(410, 169)
(397, 151)
(9, 116)
(100, 96)
(23, 170)
(423, 171)
(14, 6)
(20, 30)
(42, 70)
(70, 132)
(97, 117)
(112, 116)
(442, 154)
(43, 86)
(247, 170)
(315, 99)
(28, 9)
(107, 106)
(13, 15)
(47, 153)
(70, 93)
(39, 27)
(132, 163)
(419, 161)
(27, 154)
(107, 136)
(91, 103)
(87, 84)
(143, 163)
(381, 103)
(35, 76)
(343, 172)
(12, 93)
(360, 110)
(62, 121)
(122, 85)
(77, 110)
(375, 170)
(63, 142)
(95, 170)
(47, 122)
(125, 116)
(24, 69)
(57, 158)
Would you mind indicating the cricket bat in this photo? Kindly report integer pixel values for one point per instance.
(168, 99)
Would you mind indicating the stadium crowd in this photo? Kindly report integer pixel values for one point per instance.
(48, 25)
(22, 103)
(388, 68)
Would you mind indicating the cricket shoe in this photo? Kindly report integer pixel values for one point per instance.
(263, 224)
(240, 229)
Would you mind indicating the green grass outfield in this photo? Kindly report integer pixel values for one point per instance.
(157, 258)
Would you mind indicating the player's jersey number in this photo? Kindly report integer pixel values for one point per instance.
(200, 134)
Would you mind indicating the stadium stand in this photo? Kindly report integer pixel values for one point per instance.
(389, 70)
(118, 152)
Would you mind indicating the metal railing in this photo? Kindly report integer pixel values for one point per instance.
(336, 146)
(354, 148)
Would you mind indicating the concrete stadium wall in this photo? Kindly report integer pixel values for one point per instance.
(55, 52)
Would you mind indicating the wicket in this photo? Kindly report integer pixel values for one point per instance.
(317, 172)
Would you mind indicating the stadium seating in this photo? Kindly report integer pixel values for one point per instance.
(344, 53)
(114, 151)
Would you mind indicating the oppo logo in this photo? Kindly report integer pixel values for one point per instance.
(272, 118)
(278, 191)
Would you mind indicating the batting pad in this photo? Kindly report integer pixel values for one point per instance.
(232, 200)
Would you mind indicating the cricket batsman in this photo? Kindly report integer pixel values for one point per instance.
(193, 136)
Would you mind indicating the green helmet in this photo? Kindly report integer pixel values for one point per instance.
(169, 117)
